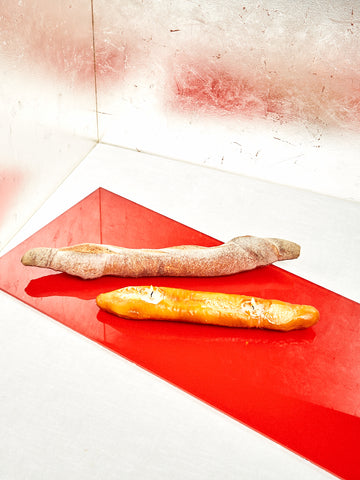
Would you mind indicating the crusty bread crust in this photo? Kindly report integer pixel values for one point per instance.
(90, 260)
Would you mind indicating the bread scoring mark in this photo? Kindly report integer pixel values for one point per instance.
(87, 248)
(276, 249)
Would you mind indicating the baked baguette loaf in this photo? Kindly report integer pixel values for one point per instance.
(210, 308)
(90, 260)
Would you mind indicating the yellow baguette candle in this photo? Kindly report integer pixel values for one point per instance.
(210, 308)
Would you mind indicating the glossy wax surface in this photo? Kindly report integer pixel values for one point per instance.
(299, 388)
(210, 308)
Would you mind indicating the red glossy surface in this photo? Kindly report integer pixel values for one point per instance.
(299, 388)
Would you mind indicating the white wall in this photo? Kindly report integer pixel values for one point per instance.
(269, 89)
(47, 102)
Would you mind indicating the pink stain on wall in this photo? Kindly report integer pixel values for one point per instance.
(57, 39)
(319, 97)
(308, 80)
(207, 88)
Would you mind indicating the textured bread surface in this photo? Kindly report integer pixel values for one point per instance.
(90, 260)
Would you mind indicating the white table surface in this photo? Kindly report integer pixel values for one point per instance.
(72, 409)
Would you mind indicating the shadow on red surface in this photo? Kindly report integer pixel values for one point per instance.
(300, 388)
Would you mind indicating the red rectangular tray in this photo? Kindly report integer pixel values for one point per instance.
(301, 388)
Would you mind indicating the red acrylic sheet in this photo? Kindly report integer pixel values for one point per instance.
(300, 388)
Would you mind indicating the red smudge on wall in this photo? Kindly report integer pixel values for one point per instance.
(317, 97)
(217, 89)
(67, 58)
(58, 39)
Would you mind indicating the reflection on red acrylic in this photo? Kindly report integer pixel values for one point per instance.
(299, 388)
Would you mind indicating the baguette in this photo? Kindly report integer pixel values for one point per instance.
(211, 308)
(91, 260)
